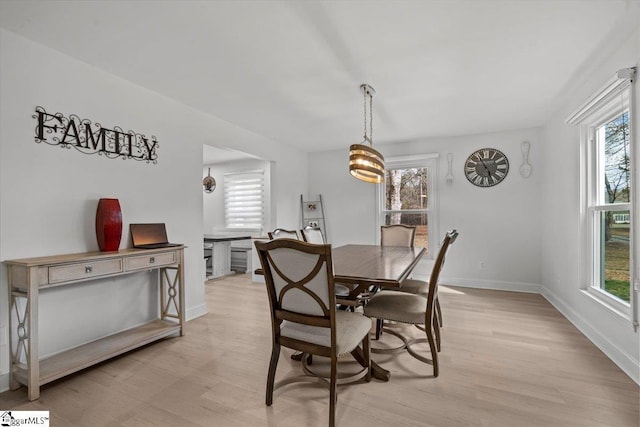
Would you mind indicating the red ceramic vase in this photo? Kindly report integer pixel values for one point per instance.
(109, 225)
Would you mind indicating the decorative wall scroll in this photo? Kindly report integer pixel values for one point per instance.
(92, 138)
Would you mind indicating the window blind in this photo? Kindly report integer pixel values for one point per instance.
(244, 199)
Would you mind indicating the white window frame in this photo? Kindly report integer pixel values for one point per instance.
(429, 161)
(259, 177)
(615, 97)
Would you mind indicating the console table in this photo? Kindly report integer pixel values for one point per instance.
(30, 276)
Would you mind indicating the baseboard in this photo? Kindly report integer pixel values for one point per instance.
(496, 285)
(4, 383)
(624, 361)
(197, 311)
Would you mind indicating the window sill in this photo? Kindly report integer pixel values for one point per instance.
(618, 307)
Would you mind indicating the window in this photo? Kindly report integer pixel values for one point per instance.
(244, 204)
(607, 207)
(407, 196)
(610, 206)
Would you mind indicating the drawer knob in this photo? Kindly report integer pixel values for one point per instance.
(152, 260)
(88, 269)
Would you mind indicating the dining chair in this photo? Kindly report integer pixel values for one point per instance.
(397, 235)
(394, 235)
(300, 286)
(404, 235)
(312, 235)
(281, 233)
(413, 309)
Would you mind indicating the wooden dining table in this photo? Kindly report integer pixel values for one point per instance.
(364, 266)
(373, 265)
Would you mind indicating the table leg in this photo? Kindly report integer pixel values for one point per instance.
(377, 371)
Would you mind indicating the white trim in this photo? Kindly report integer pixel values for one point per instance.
(634, 136)
(623, 360)
(496, 285)
(607, 92)
(612, 303)
(197, 311)
(4, 382)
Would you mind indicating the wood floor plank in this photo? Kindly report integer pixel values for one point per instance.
(508, 359)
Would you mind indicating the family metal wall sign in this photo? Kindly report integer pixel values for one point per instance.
(92, 138)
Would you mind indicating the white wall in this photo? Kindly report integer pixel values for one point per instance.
(48, 194)
(499, 226)
(560, 161)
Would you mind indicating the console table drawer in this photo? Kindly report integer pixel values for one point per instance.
(150, 261)
(85, 270)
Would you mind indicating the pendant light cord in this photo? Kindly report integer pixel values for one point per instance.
(370, 118)
(367, 94)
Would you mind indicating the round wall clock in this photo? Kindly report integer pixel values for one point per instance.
(486, 167)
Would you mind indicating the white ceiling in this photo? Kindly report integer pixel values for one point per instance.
(214, 155)
(291, 70)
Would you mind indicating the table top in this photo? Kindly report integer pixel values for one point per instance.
(88, 256)
(374, 264)
(224, 238)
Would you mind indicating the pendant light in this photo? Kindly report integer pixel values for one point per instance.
(209, 183)
(365, 163)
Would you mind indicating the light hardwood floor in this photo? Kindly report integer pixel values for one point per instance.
(508, 359)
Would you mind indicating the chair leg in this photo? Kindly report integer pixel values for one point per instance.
(438, 312)
(432, 347)
(271, 376)
(332, 391)
(366, 350)
(436, 330)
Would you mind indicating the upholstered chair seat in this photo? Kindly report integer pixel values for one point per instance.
(350, 328)
(398, 307)
(414, 286)
(421, 287)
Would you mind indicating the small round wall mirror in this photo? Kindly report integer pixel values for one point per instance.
(208, 183)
